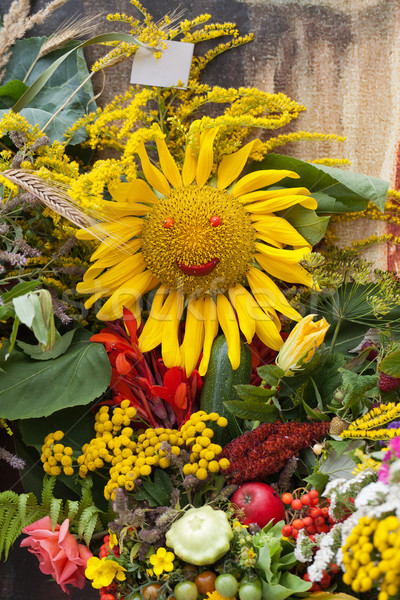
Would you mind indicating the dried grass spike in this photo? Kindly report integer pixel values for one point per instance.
(53, 198)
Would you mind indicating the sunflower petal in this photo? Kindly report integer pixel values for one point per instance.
(279, 203)
(230, 327)
(284, 264)
(189, 166)
(244, 304)
(134, 290)
(209, 309)
(271, 194)
(206, 155)
(267, 294)
(127, 192)
(104, 252)
(170, 343)
(155, 178)
(232, 165)
(115, 276)
(194, 335)
(121, 230)
(267, 331)
(168, 165)
(276, 229)
(260, 179)
(151, 335)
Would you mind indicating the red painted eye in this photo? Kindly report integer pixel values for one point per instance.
(215, 221)
(168, 223)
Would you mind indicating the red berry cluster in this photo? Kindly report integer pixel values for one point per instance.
(108, 593)
(305, 513)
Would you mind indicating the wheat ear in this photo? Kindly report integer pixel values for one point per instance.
(56, 200)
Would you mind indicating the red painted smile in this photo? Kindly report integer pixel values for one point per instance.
(203, 269)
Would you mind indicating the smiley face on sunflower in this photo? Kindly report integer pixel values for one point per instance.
(206, 245)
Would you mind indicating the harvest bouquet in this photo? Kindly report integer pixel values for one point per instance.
(219, 419)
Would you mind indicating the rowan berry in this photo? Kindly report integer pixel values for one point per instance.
(287, 530)
(306, 500)
(298, 523)
(296, 504)
(287, 498)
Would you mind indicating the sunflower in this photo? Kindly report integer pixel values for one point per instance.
(206, 246)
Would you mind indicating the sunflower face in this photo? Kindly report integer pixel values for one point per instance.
(198, 240)
(207, 245)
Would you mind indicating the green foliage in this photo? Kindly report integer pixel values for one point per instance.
(335, 190)
(358, 391)
(390, 364)
(20, 510)
(76, 377)
(307, 222)
(16, 512)
(157, 492)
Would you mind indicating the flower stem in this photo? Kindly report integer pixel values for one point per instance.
(335, 334)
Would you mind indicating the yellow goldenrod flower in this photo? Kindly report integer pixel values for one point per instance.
(103, 571)
(199, 240)
(162, 561)
(300, 346)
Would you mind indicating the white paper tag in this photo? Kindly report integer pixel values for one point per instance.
(173, 66)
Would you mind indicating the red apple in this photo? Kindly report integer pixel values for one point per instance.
(260, 503)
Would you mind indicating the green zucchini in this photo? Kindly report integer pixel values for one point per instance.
(218, 386)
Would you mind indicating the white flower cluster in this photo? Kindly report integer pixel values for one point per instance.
(339, 489)
(329, 544)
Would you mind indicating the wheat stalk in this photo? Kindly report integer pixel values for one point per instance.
(54, 198)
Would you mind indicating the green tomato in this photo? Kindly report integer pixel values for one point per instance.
(226, 585)
(250, 590)
(186, 590)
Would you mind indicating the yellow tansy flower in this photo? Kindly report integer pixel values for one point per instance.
(103, 571)
(198, 240)
(162, 561)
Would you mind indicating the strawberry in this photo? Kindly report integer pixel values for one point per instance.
(388, 383)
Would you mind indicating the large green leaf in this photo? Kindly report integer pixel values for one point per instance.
(32, 389)
(58, 126)
(307, 222)
(391, 364)
(11, 91)
(342, 191)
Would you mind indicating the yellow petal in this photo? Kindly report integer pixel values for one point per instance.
(113, 211)
(284, 264)
(155, 178)
(267, 294)
(280, 203)
(244, 304)
(151, 335)
(272, 194)
(119, 231)
(115, 276)
(229, 325)
(168, 165)
(210, 331)
(232, 165)
(127, 192)
(267, 330)
(134, 290)
(206, 155)
(194, 335)
(260, 179)
(170, 343)
(90, 301)
(271, 228)
(114, 255)
(189, 166)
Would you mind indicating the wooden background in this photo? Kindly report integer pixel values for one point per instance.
(340, 58)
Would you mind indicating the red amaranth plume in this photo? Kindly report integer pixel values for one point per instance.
(259, 453)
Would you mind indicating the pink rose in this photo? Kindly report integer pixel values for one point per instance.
(58, 552)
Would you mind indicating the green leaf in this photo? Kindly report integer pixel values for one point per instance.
(13, 90)
(13, 337)
(252, 410)
(41, 81)
(391, 364)
(57, 128)
(340, 466)
(307, 222)
(19, 290)
(351, 191)
(31, 389)
(60, 346)
(25, 308)
(252, 392)
(270, 374)
(315, 415)
(357, 388)
(339, 446)
(318, 481)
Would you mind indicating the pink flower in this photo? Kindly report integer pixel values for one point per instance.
(58, 552)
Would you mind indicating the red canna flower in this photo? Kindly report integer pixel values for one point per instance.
(162, 397)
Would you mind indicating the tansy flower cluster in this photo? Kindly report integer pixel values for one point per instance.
(55, 456)
(371, 556)
(365, 426)
(196, 434)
